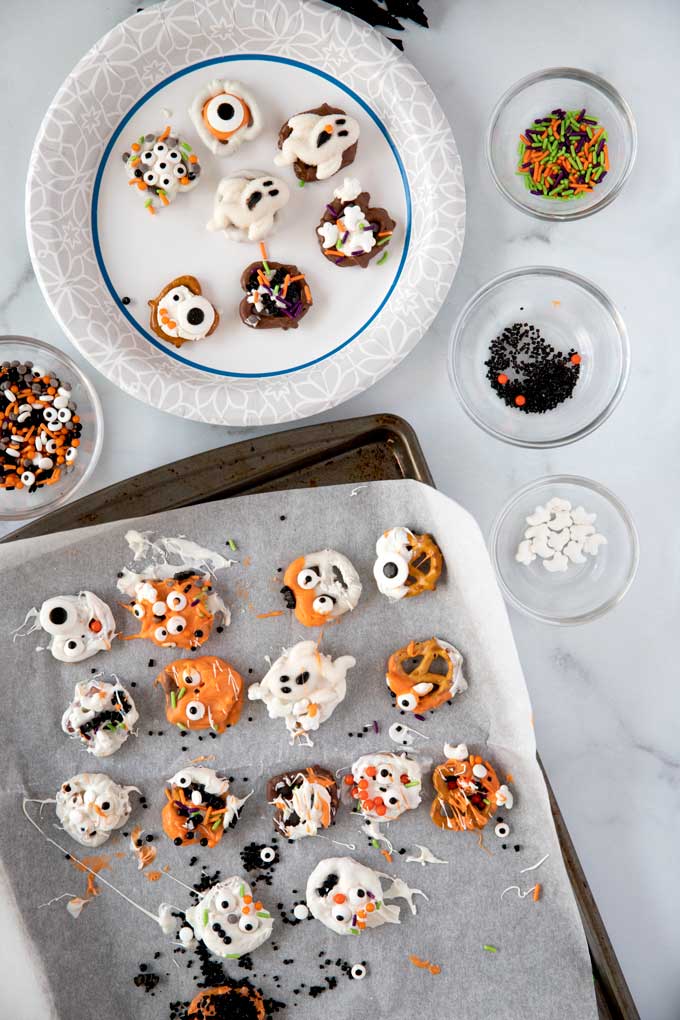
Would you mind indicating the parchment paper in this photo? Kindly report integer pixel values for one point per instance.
(541, 969)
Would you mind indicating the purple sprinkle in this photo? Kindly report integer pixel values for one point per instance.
(332, 211)
(534, 192)
(296, 311)
(345, 236)
(360, 251)
(286, 312)
(195, 602)
(376, 728)
(421, 718)
(371, 226)
(581, 114)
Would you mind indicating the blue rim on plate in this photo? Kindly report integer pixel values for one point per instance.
(104, 161)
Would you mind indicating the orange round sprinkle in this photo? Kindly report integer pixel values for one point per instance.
(363, 784)
(348, 780)
(339, 897)
(371, 771)
(520, 400)
(576, 359)
(502, 378)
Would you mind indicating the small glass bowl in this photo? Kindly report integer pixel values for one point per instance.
(20, 504)
(570, 312)
(535, 96)
(584, 591)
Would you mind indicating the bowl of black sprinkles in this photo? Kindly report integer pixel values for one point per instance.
(51, 427)
(539, 357)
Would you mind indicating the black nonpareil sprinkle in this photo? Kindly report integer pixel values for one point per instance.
(527, 372)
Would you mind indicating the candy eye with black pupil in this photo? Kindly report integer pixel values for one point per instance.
(502, 830)
(224, 115)
(195, 710)
(180, 170)
(323, 604)
(308, 579)
(147, 157)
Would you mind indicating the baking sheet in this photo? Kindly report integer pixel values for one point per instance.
(541, 968)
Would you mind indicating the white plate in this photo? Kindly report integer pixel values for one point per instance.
(92, 242)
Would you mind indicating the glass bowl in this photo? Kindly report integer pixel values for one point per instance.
(20, 504)
(570, 312)
(584, 591)
(533, 97)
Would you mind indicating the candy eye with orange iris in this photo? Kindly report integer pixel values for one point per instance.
(224, 115)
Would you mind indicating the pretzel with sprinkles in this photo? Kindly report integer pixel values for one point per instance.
(468, 791)
(161, 166)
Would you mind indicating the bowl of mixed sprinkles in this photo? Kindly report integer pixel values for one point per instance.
(50, 428)
(539, 357)
(561, 144)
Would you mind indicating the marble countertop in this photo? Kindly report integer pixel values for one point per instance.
(611, 750)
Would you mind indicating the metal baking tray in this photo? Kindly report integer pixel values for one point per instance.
(380, 446)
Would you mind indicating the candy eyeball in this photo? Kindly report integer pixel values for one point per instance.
(407, 702)
(173, 156)
(224, 115)
(308, 579)
(195, 710)
(342, 913)
(191, 678)
(357, 896)
(323, 604)
(393, 571)
(249, 922)
(160, 634)
(176, 601)
(176, 624)
(358, 972)
(502, 830)
(180, 171)
(183, 780)
(138, 611)
(147, 157)
(73, 648)
(150, 177)
(267, 854)
(224, 903)
(160, 148)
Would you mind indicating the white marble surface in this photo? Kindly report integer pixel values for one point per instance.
(606, 695)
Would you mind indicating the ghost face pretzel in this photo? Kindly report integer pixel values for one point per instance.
(181, 313)
(425, 674)
(202, 694)
(321, 586)
(318, 143)
(79, 626)
(247, 204)
(407, 564)
(467, 792)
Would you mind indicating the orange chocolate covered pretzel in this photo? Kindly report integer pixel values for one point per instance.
(425, 674)
(202, 694)
(175, 612)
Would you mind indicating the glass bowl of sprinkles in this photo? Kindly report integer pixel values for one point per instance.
(50, 428)
(539, 357)
(565, 550)
(561, 144)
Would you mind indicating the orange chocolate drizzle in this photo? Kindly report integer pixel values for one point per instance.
(179, 810)
(463, 802)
